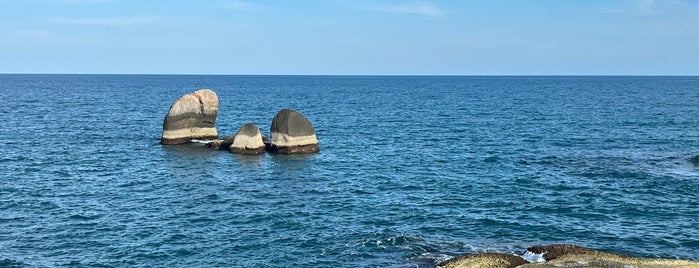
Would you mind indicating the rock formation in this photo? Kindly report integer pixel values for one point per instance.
(292, 133)
(192, 116)
(485, 260)
(562, 255)
(248, 140)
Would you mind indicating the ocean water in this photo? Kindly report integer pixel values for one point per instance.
(412, 170)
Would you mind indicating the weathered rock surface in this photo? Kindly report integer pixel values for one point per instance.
(192, 116)
(292, 133)
(221, 144)
(485, 260)
(248, 140)
(563, 255)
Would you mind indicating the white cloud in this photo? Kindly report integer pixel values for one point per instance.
(422, 8)
(110, 21)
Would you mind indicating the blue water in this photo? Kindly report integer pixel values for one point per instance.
(412, 170)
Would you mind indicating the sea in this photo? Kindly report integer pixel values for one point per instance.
(412, 170)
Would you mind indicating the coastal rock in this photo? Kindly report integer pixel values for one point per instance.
(192, 116)
(248, 140)
(563, 255)
(552, 252)
(221, 144)
(292, 133)
(483, 260)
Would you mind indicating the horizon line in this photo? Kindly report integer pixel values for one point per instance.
(369, 75)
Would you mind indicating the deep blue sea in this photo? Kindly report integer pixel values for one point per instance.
(412, 170)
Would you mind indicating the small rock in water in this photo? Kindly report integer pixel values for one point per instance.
(292, 133)
(248, 140)
(192, 116)
(221, 144)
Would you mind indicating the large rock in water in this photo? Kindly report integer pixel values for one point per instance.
(192, 116)
(248, 140)
(292, 133)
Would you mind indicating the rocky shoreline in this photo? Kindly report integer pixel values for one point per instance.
(562, 255)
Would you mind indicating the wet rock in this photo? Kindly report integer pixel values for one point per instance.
(552, 252)
(221, 144)
(292, 133)
(192, 116)
(248, 140)
(563, 255)
(483, 260)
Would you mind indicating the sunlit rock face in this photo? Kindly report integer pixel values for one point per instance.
(484, 260)
(192, 116)
(248, 140)
(292, 133)
(561, 255)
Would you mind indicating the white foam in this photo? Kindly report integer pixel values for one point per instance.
(533, 257)
(201, 141)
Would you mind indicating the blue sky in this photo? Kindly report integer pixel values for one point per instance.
(517, 37)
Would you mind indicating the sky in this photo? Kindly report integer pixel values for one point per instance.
(351, 37)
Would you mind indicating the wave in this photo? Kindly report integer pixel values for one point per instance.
(201, 141)
(10, 263)
(695, 160)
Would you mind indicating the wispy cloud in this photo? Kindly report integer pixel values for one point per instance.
(88, 1)
(34, 36)
(646, 6)
(422, 8)
(109, 21)
(238, 5)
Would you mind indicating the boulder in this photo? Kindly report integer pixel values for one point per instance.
(292, 133)
(484, 260)
(563, 255)
(248, 140)
(192, 116)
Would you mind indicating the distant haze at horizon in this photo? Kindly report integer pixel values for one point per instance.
(350, 37)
